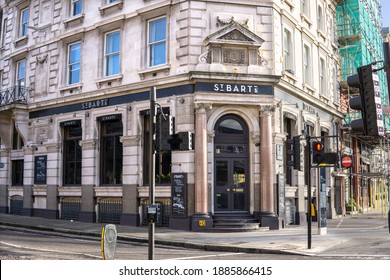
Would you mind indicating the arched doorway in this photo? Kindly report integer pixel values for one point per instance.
(231, 165)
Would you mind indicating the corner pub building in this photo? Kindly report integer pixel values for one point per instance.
(234, 81)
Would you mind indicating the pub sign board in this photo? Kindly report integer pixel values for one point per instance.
(179, 195)
(40, 170)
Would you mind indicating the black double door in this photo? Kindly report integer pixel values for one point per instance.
(231, 185)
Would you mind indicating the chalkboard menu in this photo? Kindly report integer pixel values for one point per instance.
(40, 170)
(179, 194)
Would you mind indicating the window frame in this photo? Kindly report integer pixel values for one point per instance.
(77, 157)
(112, 54)
(154, 43)
(117, 163)
(306, 64)
(70, 65)
(17, 172)
(305, 8)
(322, 76)
(320, 18)
(19, 79)
(23, 25)
(288, 58)
(73, 5)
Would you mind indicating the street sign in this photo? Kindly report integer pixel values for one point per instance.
(346, 161)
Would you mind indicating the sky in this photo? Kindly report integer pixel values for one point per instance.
(385, 13)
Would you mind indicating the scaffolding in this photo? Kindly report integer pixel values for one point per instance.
(359, 29)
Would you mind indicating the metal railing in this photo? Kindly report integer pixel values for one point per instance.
(70, 208)
(110, 210)
(16, 94)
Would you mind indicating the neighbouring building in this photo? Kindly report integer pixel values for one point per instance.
(359, 28)
(235, 81)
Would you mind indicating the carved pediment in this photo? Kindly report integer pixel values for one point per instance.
(235, 34)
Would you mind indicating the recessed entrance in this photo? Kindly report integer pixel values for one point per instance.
(231, 180)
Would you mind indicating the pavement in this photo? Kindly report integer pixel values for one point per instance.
(340, 233)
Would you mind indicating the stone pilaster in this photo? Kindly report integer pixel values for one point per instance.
(87, 211)
(267, 214)
(201, 219)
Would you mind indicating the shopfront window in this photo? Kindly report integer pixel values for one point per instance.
(111, 154)
(72, 154)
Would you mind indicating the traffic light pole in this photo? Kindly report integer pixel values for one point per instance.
(152, 170)
(308, 171)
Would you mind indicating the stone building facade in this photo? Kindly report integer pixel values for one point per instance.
(234, 80)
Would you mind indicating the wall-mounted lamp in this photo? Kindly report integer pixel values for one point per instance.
(50, 120)
(180, 99)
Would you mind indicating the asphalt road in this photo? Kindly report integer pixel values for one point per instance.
(25, 244)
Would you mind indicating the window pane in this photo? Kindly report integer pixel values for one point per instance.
(157, 54)
(24, 21)
(112, 53)
(157, 42)
(74, 63)
(111, 153)
(21, 73)
(157, 30)
(77, 7)
(230, 126)
(112, 43)
(112, 65)
(72, 155)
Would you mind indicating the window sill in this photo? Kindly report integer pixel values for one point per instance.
(114, 78)
(288, 75)
(290, 4)
(321, 34)
(306, 19)
(111, 7)
(154, 70)
(74, 20)
(71, 88)
(21, 41)
(308, 88)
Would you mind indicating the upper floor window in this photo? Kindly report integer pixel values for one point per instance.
(287, 52)
(305, 7)
(111, 1)
(322, 76)
(23, 22)
(112, 53)
(21, 73)
(74, 56)
(157, 42)
(306, 65)
(76, 7)
(320, 19)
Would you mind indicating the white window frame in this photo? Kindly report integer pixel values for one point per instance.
(288, 58)
(21, 81)
(23, 25)
(320, 18)
(305, 7)
(107, 56)
(152, 44)
(323, 77)
(70, 65)
(73, 5)
(306, 64)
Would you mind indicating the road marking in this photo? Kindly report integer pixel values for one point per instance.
(339, 224)
(208, 256)
(47, 250)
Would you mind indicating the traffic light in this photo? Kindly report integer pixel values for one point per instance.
(368, 102)
(320, 157)
(294, 152)
(318, 152)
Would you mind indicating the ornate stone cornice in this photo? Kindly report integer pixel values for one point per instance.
(203, 107)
